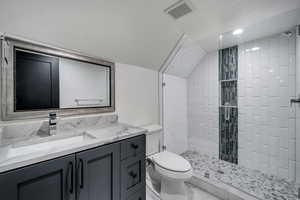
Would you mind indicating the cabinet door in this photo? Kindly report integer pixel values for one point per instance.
(49, 180)
(98, 173)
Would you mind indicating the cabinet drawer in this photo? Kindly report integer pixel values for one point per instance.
(140, 195)
(133, 175)
(132, 147)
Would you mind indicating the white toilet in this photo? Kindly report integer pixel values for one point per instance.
(167, 171)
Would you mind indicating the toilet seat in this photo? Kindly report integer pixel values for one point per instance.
(172, 166)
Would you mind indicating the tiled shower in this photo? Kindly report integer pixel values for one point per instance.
(239, 105)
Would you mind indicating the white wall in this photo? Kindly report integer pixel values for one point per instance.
(175, 113)
(266, 120)
(203, 110)
(136, 95)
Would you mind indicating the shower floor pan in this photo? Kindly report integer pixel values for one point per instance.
(232, 182)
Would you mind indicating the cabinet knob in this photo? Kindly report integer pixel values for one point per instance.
(133, 174)
(135, 146)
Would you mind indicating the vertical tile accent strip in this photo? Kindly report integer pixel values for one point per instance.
(228, 64)
(229, 93)
(228, 110)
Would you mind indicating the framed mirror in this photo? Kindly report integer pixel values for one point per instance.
(38, 79)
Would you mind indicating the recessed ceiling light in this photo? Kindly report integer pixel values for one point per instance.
(220, 37)
(237, 31)
(255, 48)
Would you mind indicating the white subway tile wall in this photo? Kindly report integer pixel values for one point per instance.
(266, 83)
(266, 119)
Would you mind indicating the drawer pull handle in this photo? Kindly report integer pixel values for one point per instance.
(135, 146)
(133, 174)
(80, 174)
(71, 180)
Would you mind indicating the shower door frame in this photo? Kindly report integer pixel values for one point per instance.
(297, 107)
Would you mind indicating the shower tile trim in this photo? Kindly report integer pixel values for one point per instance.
(219, 189)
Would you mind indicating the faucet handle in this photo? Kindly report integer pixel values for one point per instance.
(52, 115)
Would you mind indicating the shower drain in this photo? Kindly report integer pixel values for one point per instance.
(206, 175)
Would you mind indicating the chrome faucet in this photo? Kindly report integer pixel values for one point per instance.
(52, 123)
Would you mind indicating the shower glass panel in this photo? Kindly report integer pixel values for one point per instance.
(244, 122)
(257, 81)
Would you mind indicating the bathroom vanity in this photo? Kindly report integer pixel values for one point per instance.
(108, 165)
(74, 157)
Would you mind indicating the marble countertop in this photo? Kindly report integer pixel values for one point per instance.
(97, 136)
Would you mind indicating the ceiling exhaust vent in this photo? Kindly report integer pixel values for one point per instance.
(179, 9)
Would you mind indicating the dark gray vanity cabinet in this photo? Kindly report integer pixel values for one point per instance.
(109, 172)
(50, 180)
(98, 173)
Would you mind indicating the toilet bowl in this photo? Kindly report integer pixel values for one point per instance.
(168, 172)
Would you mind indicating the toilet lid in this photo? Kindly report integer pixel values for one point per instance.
(171, 161)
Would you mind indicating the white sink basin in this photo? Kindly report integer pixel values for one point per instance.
(10, 152)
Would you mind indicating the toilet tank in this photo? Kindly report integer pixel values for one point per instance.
(153, 138)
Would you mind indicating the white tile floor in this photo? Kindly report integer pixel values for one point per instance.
(194, 193)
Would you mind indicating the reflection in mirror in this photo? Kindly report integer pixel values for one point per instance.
(37, 79)
(48, 82)
(83, 84)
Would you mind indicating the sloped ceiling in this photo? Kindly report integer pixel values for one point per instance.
(218, 16)
(128, 31)
(186, 59)
(266, 27)
(134, 32)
